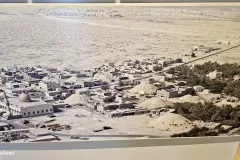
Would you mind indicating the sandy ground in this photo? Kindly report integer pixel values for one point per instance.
(88, 121)
(87, 36)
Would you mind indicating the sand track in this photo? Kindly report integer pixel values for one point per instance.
(117, 27)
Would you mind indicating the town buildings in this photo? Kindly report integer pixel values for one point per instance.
(177, 91)
(25, 106)
(55, 86)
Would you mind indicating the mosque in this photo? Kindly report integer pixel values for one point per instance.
(25, 106)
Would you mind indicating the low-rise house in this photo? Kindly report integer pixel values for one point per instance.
(123, 78)
(60, 104)
(127, 112)
(167, 93)
(49, 86)
(82, 75)
(214, 75)
(94, 83)
(177, 91)
(71, 85)
(82, 91)
(29, 82)
(8, 73)
(206, 91)
(13, 85)
(126, 105)
(33, 75)
(110, 106)
(169, 76)
(120, 98)
(198, 88)
(133, 76)
(6, 78)
(88, 84)
(135, 82)
(113, 106)
(148, 80)
(159, 78)
(52, 70)
(122, 88)
(63, 76)
(17, 91)
(68, 91)
(182, 91)
(52, 93)
(19, 77)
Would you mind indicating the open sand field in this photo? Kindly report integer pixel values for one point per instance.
(87, 121)
(85, 36)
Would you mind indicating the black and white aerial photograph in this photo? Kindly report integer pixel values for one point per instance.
(111, 71)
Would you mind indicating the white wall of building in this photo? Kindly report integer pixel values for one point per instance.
(37, 110)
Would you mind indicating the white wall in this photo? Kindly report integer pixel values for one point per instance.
(37, 109)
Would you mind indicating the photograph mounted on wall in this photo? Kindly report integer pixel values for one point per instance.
(119, 70)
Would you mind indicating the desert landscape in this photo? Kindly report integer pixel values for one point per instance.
(84, 37)
(89, 61)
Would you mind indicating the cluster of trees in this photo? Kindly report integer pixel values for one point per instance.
(157, 68)
(228, 70)
(209, 113)
(194, 79)
(197, 76)
(197, 132)
(233, 89)
(178, 60)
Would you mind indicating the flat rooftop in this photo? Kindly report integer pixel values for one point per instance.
(3, 124)
(14, 101)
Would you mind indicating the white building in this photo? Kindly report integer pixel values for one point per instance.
(14, 132)
(17, 91)
(13, 85)
(49, 86)
(206, 91)
(52, 93)
(159, 78)
(198, 88)
(214, 75)
(60, 104)
(27, 107)
(6, 78)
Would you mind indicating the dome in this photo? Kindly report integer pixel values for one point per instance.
(25, 98)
